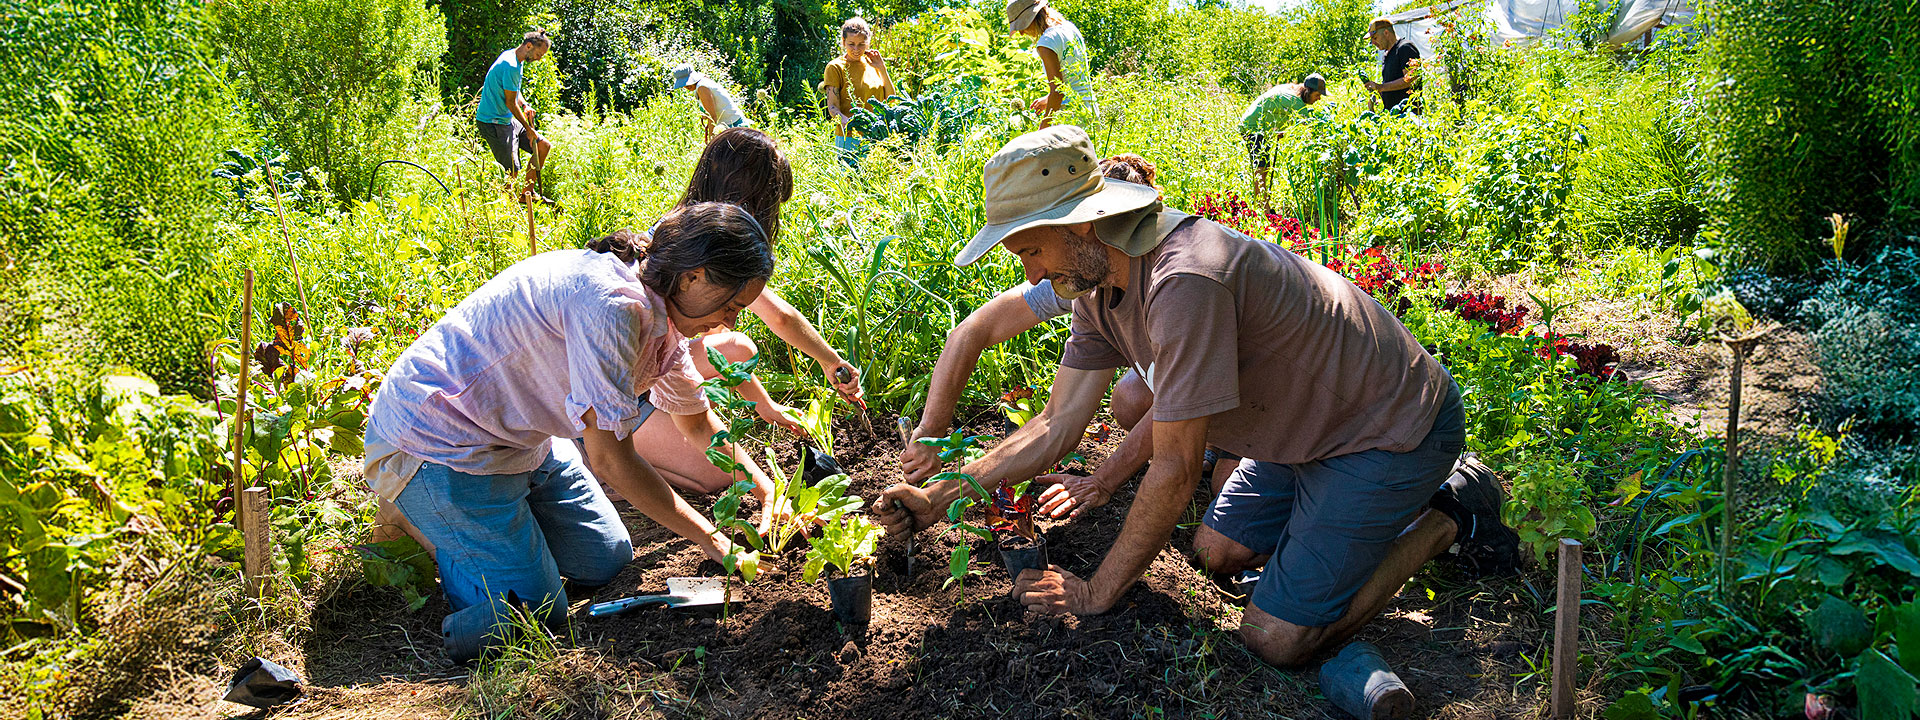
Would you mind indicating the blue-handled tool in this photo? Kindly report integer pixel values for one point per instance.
(682, 592)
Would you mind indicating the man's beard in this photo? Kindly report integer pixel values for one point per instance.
(1089, 267)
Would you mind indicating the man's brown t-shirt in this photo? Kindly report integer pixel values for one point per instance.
(1294, 362)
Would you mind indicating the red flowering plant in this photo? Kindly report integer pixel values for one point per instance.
(1597, 360)
(1231, 210)
(1384, 277)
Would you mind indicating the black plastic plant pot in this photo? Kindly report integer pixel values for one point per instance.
(852, 598)
(1017, 554)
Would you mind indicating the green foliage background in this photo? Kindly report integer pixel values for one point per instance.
(1624, 174)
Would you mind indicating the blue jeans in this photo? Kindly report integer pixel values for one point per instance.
(518, 533)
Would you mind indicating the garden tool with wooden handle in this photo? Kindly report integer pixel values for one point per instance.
(843, 375)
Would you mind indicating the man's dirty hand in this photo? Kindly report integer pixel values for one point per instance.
(1055, 592)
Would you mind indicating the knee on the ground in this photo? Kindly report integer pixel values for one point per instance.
(1277, 646)
(733, 345)
(1220, 554)
(1131, 400)
(599, 565)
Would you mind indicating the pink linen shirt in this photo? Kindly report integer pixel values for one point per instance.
(520, 361)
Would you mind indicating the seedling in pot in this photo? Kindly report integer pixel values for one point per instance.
(1011, 517)
(846, 545)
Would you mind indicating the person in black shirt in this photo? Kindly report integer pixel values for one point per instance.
(1394, 85)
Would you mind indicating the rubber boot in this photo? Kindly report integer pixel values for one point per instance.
(1359, 682)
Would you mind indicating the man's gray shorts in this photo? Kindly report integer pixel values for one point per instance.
(1329, 523)
(501, 139)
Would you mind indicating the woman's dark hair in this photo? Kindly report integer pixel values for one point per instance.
(721, 237)
(742, 166)
(629, 246)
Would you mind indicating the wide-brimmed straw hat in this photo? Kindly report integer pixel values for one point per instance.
(1050, 177)
(1020, 13)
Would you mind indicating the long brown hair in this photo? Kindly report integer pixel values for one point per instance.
(742, 166)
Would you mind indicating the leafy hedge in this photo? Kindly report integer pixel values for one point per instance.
(1815, 113)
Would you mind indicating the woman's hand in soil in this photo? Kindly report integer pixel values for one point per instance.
(1071, 495)
(1055, 592)
(919, 462)
(904, 509)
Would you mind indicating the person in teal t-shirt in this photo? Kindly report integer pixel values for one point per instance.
(505, 119)
(1266, 116)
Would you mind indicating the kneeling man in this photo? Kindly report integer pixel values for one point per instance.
(1349, 428)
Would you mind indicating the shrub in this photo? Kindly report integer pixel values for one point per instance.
(1867, 342)
(1816, 116)
(108, 246)
(328, 80)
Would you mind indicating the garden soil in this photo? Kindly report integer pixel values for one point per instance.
(1467, 648)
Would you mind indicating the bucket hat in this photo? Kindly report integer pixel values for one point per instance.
(1051, 177)
(682, 76)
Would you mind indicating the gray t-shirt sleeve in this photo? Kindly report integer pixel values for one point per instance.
(1196, 354)
(1045, 303)
(1087, 348)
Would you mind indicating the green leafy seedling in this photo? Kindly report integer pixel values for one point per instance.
(846, 544)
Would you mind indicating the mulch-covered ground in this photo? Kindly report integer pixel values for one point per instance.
(1467, 648)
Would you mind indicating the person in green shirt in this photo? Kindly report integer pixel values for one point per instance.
(1266, 116)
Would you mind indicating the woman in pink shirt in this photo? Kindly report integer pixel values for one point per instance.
(572, 344)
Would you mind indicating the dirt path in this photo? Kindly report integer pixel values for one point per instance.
(1467, 648)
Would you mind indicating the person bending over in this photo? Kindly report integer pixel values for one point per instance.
(567, 344)
(1349, 429)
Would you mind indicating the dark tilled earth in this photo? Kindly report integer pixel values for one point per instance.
(1467, 648)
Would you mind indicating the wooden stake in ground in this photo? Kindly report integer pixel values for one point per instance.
(1741, 346)
(533, 240)
(287, 235)
(240, 407)
(258, 561)
(1566, 630)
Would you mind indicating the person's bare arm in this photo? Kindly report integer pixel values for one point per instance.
(838, 114)
(1050, 62)
(615, 461)
(1003, 317)
(699, 430)
(519, 109)
(880, 66)
(1163, 497)
(789, 325)
(1036, 446)
(709, 106)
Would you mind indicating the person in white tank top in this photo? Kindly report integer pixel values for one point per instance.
(716, 104)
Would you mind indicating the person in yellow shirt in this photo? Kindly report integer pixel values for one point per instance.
(852, 79)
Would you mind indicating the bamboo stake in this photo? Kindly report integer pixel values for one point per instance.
(1566, 630)
(240, 407)
(258, 560)
(287, 235)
